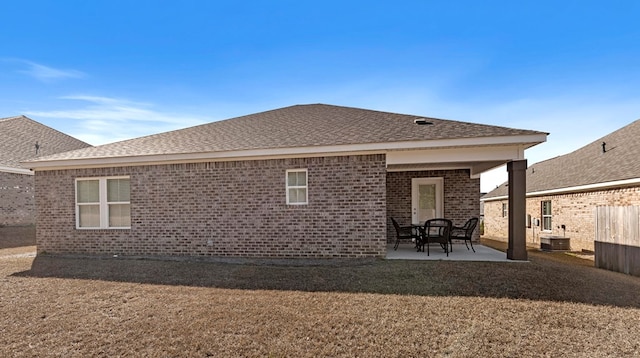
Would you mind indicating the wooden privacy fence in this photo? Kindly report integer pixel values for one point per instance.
(617, 241)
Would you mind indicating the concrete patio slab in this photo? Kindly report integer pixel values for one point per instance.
(460, 253)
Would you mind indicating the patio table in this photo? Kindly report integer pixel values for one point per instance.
(417, 229)
(436, 231)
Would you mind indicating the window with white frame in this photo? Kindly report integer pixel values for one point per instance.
(546, 215)
(297, 187)
(505, 210)
(103, 203)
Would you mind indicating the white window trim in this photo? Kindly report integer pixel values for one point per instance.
(103, 203)
(543, 216)
(306, 187)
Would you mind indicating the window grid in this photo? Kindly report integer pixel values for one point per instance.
(296, 187)
(109, 209)
(545, 208)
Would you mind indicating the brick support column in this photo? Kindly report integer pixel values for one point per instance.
(517, 210)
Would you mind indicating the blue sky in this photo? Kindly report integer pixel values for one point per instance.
(110, 70)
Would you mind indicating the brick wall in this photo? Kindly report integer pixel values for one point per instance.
(495, 225)
(16, 199)
(227, 209)
(576, 211)
(461, 197)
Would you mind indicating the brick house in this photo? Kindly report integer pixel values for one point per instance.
(563, 192)
(21, 139)
(314, 181)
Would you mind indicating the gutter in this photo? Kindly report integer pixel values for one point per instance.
(329, 150)
(15, 170)
(573, 189)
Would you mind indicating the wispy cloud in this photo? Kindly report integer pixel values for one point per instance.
(115, 109)
(99, 120)
(48, 74)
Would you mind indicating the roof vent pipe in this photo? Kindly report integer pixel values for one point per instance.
(421, 121)
(604, 147)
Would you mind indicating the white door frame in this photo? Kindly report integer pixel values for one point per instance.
(439, 183)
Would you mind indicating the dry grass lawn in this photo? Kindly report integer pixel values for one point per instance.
(555, 305)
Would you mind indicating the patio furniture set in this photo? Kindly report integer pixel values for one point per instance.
(440, 231)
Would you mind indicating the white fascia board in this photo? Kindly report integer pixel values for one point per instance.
(503, 197)
(177, 158)
(15, 170)
(524, 140)
(588, 187)
(453, 155)
(575, 189)
(348, 149)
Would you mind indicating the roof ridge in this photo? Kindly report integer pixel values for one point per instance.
(14, 117)
(369, 110)
(412, 115)
(20, 134)
(601, 139)
(50, 128)
(584, 165)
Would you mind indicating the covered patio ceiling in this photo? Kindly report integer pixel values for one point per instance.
(478, 159)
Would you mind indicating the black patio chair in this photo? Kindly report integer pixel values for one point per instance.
(465, 232)
(435, 231)
(403, 233)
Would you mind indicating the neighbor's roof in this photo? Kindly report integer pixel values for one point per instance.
(587, 166)
(302, 126)
(19, 136)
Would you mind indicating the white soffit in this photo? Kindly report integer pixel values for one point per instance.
(455, 155)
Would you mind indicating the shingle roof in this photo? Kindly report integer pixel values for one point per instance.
(587, 165)
(290, 127)
(18, 138)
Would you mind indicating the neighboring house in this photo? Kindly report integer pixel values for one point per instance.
(22, 139)
(303, 181)
(563, 192)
